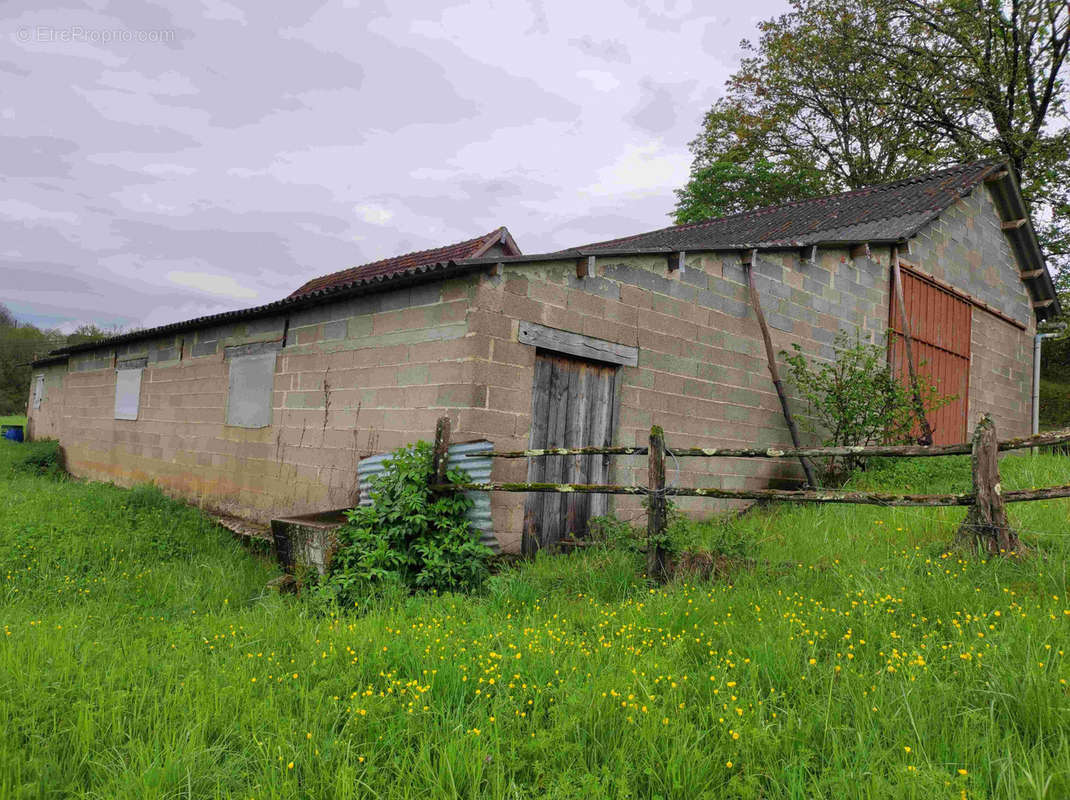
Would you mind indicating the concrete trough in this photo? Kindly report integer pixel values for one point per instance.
(307, 541)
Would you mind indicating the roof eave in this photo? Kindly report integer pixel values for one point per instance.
(1011, 206)
(422, 274)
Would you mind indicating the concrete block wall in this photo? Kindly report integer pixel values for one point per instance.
(1001, 375)
(702, 371)
(967, 248)
(45, 422)
(356, 378)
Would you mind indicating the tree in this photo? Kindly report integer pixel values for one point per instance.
(846, 93)
(986, 77)
(808, 112)
(21, 343)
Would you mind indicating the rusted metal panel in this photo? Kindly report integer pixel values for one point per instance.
(940, 327)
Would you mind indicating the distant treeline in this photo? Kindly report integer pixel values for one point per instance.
(21, 343)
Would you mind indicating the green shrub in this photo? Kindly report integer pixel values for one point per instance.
(43, 458)
(409, 537)
(857, 399)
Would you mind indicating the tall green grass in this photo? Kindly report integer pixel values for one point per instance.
(140, 656)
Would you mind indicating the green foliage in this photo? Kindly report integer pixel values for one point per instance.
(857, 399)
(726, 187)
(130, 674)
(408, 537)
(43, 458)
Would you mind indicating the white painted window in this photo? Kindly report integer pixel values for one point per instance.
(38, 391)
(249, 387)
(127, 393)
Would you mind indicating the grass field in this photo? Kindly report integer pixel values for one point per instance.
(12, 420)
(140, 657)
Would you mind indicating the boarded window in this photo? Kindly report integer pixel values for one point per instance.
(38, 391)
(249, 387)
(127, 393)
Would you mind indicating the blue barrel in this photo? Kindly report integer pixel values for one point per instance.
(12, 433)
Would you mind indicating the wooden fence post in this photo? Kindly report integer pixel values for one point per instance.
(657, 508)
(440, 454)
(986, 527)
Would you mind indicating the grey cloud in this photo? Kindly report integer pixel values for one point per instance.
(606, 49)
(36, 157)
(14, 69)
(659, 103)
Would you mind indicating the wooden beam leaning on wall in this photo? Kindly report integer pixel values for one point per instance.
(749, 258)
(926, 437)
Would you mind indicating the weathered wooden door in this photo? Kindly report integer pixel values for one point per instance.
(940, 326)
(573, 405)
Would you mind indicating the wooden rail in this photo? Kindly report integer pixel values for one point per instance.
(782, 495)
(889, 451)
(986, 527)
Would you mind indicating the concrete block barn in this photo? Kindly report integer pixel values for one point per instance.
(264, 412)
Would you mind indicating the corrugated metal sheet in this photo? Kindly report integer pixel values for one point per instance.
(478, 470)
(940, 327)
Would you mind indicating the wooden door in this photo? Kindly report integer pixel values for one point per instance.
(940, 328)
(573, 405)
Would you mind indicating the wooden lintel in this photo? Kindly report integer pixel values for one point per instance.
(997, 176)
(676, 261)
(575, 344)
(1013, 224)
(1043, 303)
(1031, 274)
(585, 266)
(861, 251)
(748, 257)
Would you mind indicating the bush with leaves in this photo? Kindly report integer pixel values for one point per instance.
(409, 537)
(857, 399)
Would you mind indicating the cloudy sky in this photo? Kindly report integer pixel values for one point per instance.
(162, 161)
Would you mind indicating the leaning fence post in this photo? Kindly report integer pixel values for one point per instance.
(657, 507)
(986, 527)
(440, 454)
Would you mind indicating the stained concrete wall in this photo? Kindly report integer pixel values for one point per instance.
(702, 371)
(356, 378)
(44, 422)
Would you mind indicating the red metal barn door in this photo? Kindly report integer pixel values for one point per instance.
(940, 325)
(573, 403)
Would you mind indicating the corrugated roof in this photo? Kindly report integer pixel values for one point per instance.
(886, 212)
(471, 248)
